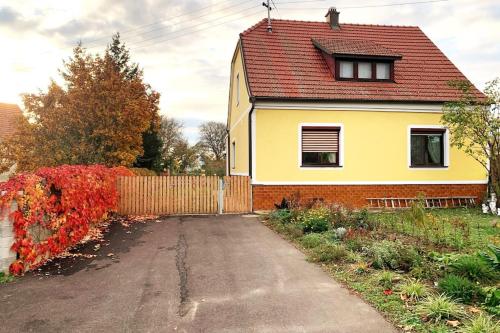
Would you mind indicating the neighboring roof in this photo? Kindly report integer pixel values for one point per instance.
(8, 115)
(353, 48)
(285, 64)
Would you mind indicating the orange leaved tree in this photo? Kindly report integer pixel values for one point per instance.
(98, 116)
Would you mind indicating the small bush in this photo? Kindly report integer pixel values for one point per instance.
(281, 215)
(329, 252)
(458, 288)
(360, 267)
(436, 308)
(393, 255)
(491, 296)
(414, 290)
(492, 257)
(474, 268)
(481, 324)
(354, 244)
(315, 220)
(312, 240)
(142, 172)
(4, 278)
(386, 279)
(293, 230)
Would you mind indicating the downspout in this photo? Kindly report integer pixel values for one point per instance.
(250, 171)
(228, 153)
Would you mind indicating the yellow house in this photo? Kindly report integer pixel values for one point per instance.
(344, 113)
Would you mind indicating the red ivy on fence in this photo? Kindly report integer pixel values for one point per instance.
(56, 207)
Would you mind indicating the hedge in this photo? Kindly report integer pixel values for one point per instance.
(56, 208)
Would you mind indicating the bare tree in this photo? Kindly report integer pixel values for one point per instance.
(171, 135)
(213, 139)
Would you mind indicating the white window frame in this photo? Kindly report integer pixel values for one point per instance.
(341, 146)
(446, 146)
(233, 155)
(237, 89)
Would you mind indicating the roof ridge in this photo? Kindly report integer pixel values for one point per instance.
(253, 27)
(324, 22)
(10, 104)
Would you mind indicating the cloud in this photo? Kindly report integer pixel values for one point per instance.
(14, 21)
(185, 47)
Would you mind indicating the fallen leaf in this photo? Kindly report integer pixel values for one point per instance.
(111, 254)
(388, 292)
(452, 323)
(474, 310)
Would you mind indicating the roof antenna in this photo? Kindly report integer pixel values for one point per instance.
(269, 27)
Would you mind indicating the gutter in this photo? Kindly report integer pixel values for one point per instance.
(250, 171)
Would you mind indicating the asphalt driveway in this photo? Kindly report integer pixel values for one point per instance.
(185, 274)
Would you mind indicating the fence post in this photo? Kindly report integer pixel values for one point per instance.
(7, 256)
(220, 197)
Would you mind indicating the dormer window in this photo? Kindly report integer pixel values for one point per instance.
(364, 70)
(358, 60)
(346, 69)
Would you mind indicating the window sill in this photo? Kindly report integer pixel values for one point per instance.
(438, 167)
(321, 166)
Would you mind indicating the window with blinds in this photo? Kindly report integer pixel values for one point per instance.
(320, 146)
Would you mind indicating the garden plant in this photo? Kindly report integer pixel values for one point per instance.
(427, 270)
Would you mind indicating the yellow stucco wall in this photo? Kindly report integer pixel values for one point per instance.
(238, 116)
(375, 148)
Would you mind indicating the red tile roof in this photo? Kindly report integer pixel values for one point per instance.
(8, 115)
(353, 48)
(285, 64)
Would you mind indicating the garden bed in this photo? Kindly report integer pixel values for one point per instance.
(425, 270)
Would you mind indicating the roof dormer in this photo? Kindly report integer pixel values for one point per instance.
(358, 60)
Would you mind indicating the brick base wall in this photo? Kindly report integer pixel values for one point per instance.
(265, 196)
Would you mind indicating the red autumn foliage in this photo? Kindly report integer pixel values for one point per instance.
(56, 208)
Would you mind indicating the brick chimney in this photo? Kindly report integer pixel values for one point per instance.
(332, 17)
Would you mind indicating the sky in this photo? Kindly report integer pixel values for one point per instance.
(185, 46)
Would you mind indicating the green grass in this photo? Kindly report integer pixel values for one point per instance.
(444, 227)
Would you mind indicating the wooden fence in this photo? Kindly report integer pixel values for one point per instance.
(157, 195)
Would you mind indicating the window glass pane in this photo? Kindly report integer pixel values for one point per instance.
(319, 158)
(383, 71)
(346, 69)
(434, 147)
(427, 149)
(364, 70)
(418, 150)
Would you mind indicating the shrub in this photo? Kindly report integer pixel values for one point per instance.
(492, 256)
(474, 268)
(491, 296)
(481, 324)
(315, 220)
(354, 244)
(293, 230)
(459, 288)
(281, 215)
(56, 208)
(386, 279)
(312, 240)
(329, 252)
(436, 308)
(414, 290)
(142, 172)
(393, 255)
